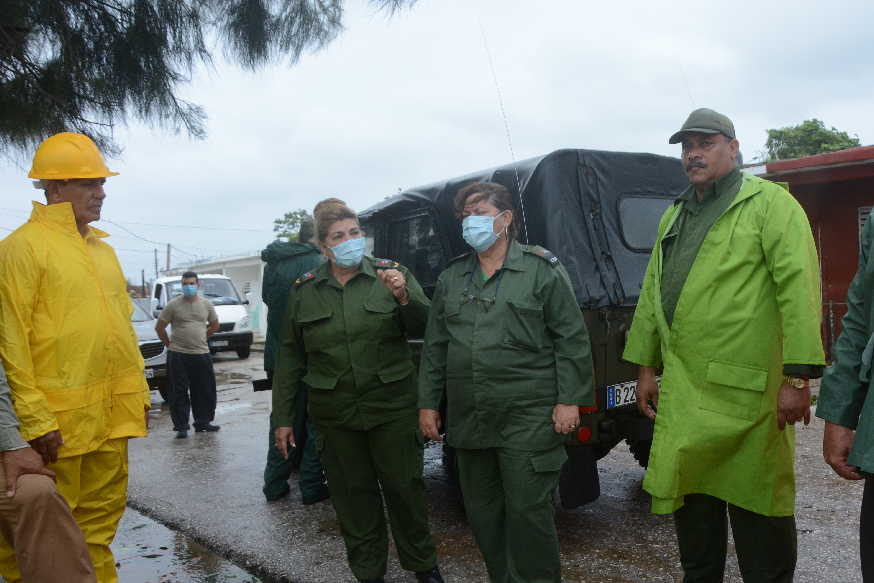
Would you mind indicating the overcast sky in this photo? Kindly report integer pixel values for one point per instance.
(398, 102)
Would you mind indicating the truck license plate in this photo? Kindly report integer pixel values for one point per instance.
(149, 372)
(219, 343)
(621, 394)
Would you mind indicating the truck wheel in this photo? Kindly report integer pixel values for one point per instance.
(640, 450)
(244, 352)
(450, 463)
(578, 482)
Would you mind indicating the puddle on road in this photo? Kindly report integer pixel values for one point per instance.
(148, 552)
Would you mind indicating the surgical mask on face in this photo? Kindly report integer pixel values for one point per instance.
(189, 290)
(479, 231)
(349, 253)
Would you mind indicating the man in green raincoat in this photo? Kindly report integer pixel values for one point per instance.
(730, 312)
(846, 400)
(286, 261)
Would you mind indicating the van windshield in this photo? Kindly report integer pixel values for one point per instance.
(139, 314)
(220, 292)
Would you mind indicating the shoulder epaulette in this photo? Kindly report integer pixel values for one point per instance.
(304, 278)
(459, 258)
(385, 264)
(544, 254)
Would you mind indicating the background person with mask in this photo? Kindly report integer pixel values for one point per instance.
(507, 343)
(346, 340)
(189, 363)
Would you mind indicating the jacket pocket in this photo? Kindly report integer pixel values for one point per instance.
(735, 390)
(396, 371)
(524, 325)
(314, 329)
(549, 461)
(318, 380)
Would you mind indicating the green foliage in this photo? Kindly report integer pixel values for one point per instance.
(87, 65)
(806, 139)
(289, 225)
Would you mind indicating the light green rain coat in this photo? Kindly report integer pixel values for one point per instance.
(751, 304)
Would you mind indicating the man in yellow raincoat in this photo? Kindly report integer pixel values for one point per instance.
(730, 310)
(66, 341)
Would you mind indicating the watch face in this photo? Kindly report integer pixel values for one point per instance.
(797, 382)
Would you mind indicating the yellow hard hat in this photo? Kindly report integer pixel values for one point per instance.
(68, 155)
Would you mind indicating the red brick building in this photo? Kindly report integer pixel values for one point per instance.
(837, 192)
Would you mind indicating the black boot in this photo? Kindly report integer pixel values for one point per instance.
(432, 576)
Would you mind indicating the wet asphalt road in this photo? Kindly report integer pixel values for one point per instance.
(208, 488)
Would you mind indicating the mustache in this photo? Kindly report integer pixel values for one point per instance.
(695, 164)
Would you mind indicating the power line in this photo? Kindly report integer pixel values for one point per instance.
(203, 227)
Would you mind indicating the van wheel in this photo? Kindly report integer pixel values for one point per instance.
(640, 450)
(244, 352)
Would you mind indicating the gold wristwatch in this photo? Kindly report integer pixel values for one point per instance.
(799, 383)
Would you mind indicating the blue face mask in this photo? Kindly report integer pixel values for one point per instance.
(479, 232)
(189, 290)
(349, 253)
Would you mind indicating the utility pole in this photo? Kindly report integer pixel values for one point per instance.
(156, 264)
(143, 281)
(168, 256)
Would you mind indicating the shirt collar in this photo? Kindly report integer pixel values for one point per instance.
(513, 261)
(722, 185)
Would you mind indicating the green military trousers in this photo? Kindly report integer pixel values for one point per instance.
(766, 545)
(358, 463)
(508, 499)
(278, 470)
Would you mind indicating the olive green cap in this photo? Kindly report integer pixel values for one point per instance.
(704, 121)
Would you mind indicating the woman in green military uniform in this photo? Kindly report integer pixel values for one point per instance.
(345, 339)
(507, 343)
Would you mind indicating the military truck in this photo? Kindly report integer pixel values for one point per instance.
(598, 212)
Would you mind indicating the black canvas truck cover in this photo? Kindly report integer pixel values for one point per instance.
(598, 211)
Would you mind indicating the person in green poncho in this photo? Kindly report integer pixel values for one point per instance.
(846, 399)
(284, 263)
(730, 312)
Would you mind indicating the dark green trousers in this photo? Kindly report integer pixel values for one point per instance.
(766, 545)
(508, 499)
(358, 463)
(311, 479)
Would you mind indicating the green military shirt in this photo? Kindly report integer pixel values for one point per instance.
(348, 344)
(505, 351)
(681, 243)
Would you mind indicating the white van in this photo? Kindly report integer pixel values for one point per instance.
(235, 330)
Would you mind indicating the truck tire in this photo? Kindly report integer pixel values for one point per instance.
(578, 482)
(450, 463)
(640, 450)
(244, 352)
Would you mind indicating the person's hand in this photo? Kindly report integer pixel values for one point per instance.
(836, 443)
(793, 405)
(396, 283)
(284, 439)
(47, 446)
(565, 418)
(429, 423)
(18, 462)
(647, 393)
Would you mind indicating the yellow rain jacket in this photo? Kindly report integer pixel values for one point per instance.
(750, 305)
(66, 340)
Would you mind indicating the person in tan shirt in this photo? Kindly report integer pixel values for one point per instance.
(193, 320)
